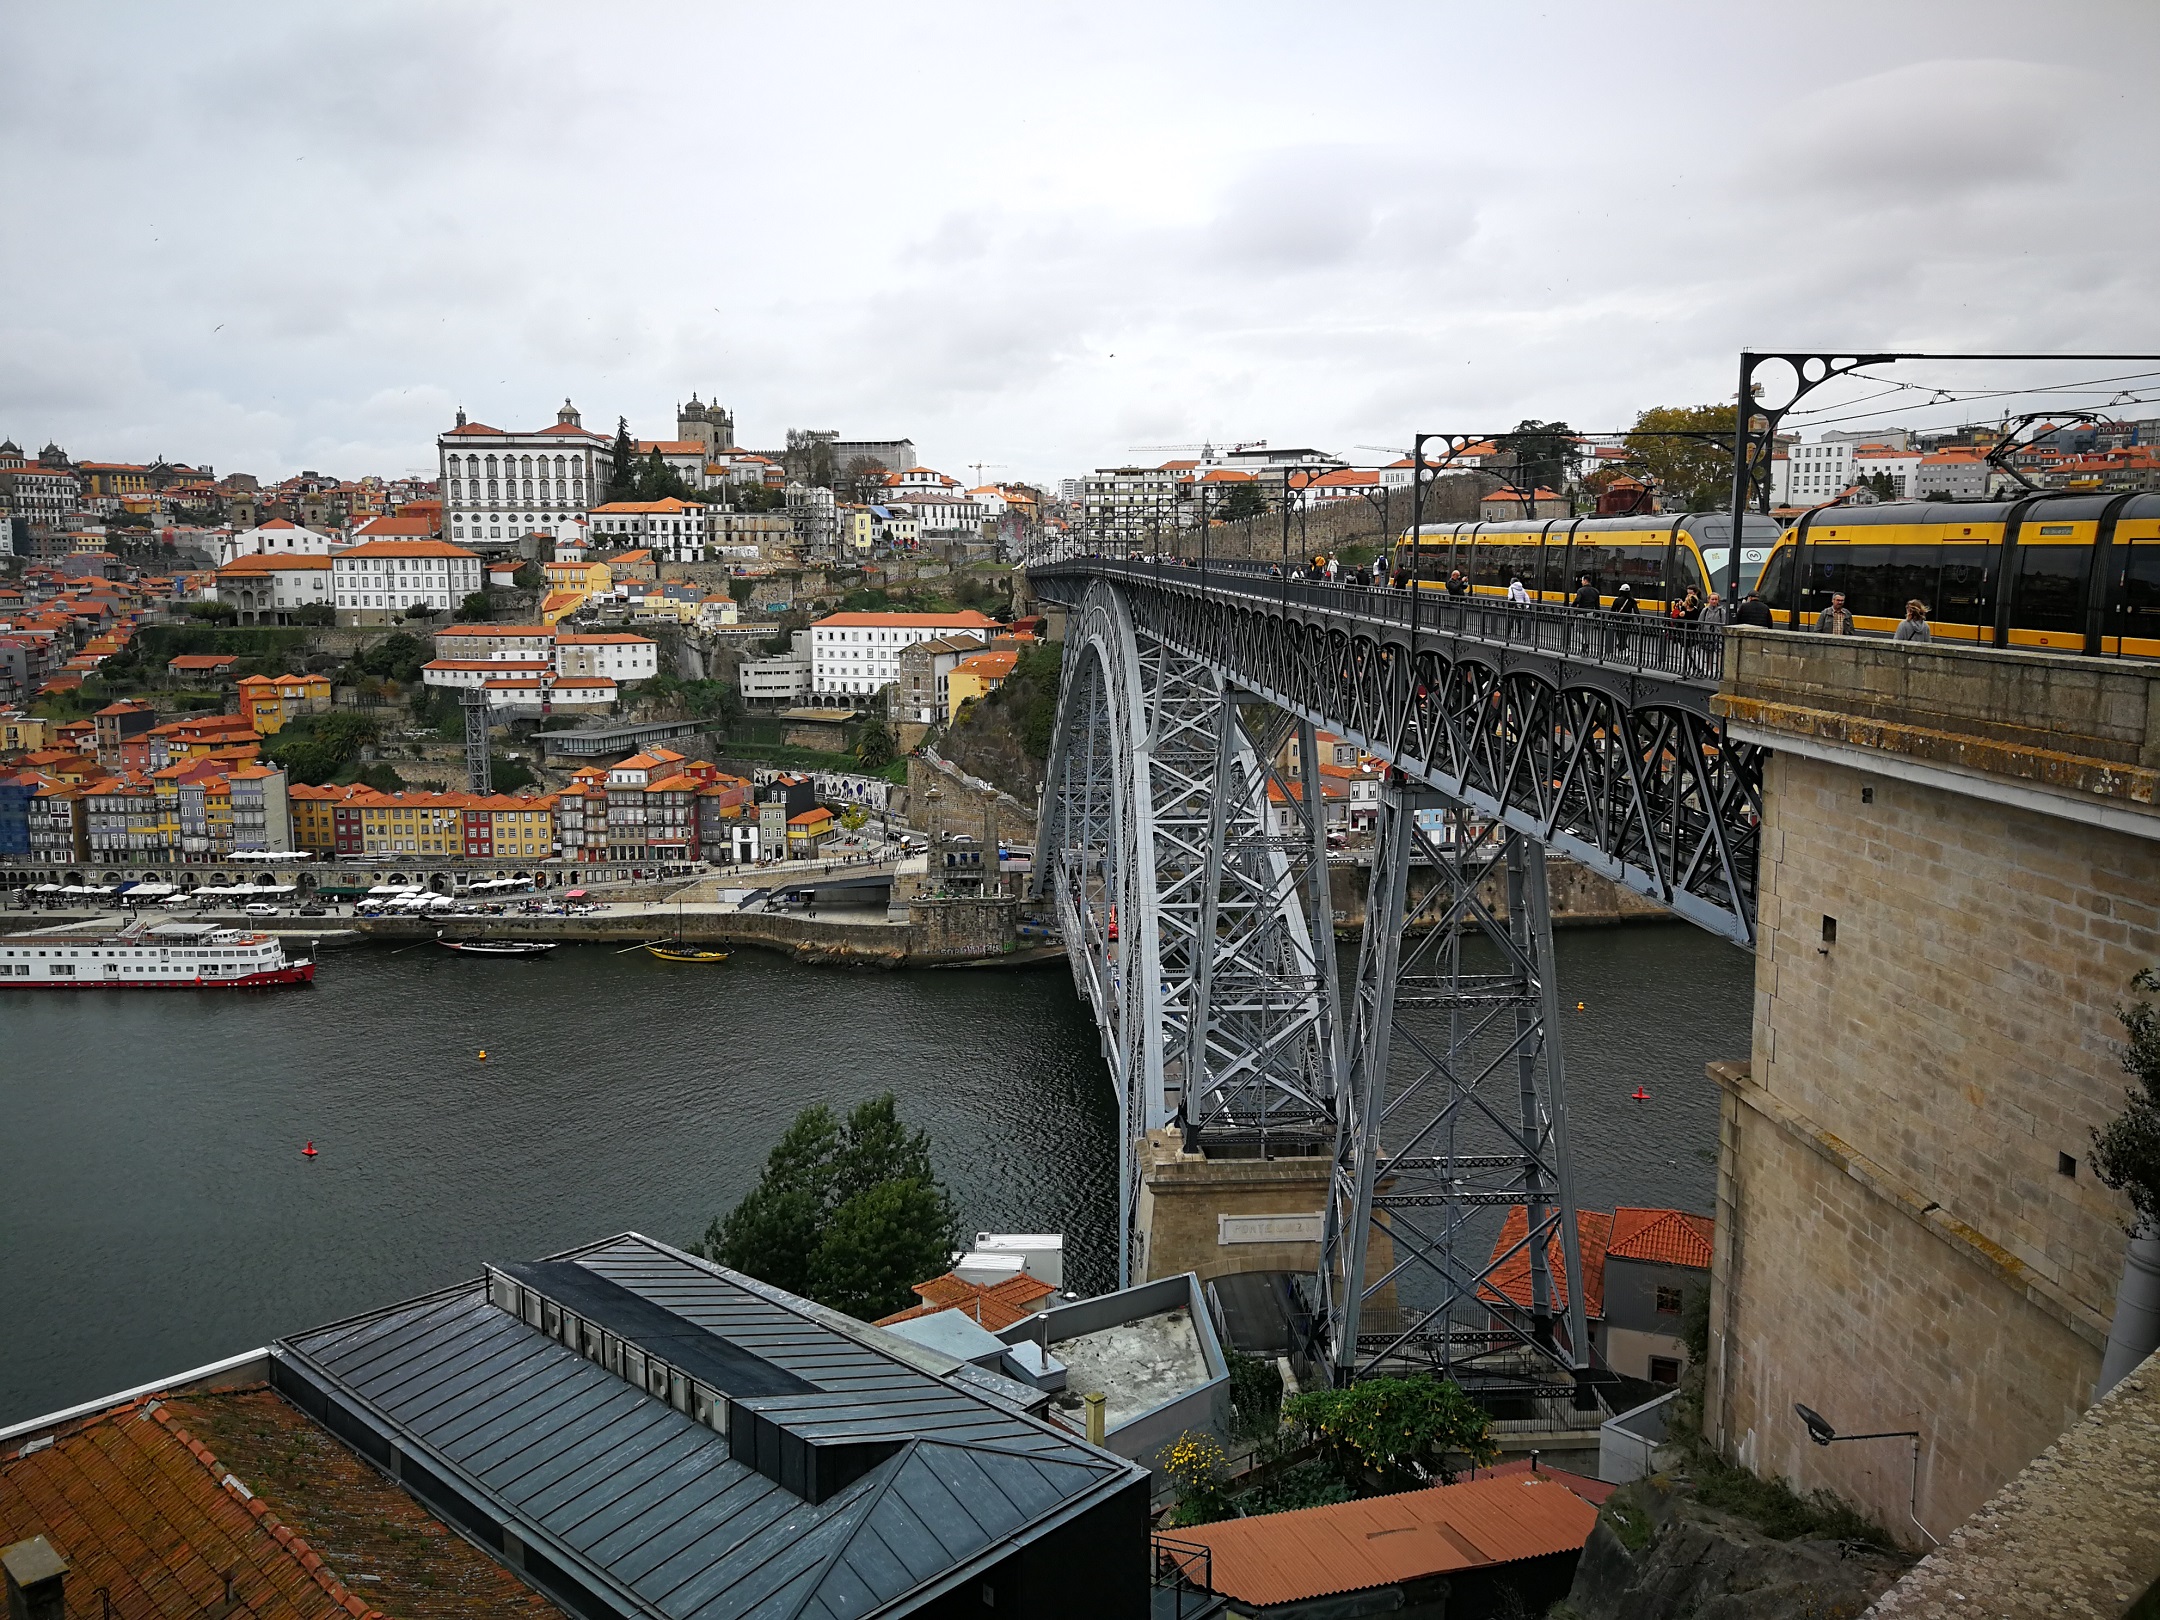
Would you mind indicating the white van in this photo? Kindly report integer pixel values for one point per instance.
(261, 908)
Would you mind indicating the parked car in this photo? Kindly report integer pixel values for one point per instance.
(311, 909)
(260, 908)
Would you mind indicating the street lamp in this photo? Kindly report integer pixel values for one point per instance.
(1820, 1431)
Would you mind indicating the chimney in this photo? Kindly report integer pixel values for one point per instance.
(36, 1580)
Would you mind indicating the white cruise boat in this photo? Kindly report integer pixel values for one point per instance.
(150, 956)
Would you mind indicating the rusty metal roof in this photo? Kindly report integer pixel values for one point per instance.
(1312, 1552)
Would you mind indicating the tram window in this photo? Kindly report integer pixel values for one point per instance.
(1640, 566)
(1498, 563)
(1776, 577)
(1878, 580)
(1687, 573)
(1590, 558)
(1966, 589)
(2137, 594)
(2050, 592)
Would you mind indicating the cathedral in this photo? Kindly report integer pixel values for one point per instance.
(710, 425)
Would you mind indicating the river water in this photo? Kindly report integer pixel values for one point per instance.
(156, 1211)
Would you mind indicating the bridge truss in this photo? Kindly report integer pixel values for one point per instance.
(1190, 874)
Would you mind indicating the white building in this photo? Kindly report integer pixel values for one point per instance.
(940, 505)
(857, 654)
(267, 588)
(376, 582)
(617, 655)
(784, 679)
(672, 530)
(497, 485)
(1959, 473)
(277, 538)
(1816, 472)
(456, 672)
(1901, 467)
(1129, 505)
(686, 458)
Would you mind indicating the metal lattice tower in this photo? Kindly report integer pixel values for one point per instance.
(479, 761)
(1475, 1121)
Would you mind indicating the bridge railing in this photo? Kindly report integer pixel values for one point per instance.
(1646, 643)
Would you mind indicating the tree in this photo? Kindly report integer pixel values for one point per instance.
(420, 610)
(875, 745)
(1691, 474)
(739, 589)
(396, 657)
(1403, 1429)
(217, 612)
(1882, 484)
(509, 774)
(1544, 452)
(2126, 1152)
(622, 459)
(315, 613)
(864, 479)
(474, 608)
(1240, 502)
(854, 818)
(321, 748)
(850, 1216)
(529, 577)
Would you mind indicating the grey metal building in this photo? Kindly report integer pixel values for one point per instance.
(644, 1434)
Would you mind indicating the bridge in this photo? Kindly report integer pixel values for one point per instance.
(1941, 856)
(1189, 869)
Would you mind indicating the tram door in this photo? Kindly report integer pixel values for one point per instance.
(2134, 616)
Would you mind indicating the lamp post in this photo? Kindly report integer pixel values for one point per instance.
(1820, 1431)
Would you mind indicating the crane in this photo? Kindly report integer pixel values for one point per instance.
(979, 466)
(1207, 450)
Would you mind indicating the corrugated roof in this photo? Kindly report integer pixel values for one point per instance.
(1352, 1546)
(651, 1508)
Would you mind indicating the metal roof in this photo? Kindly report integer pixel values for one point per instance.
(832, 1479)
(1311, 1552)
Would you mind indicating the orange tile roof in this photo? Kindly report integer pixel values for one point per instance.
(139, 1507)
(1669, 1237)
(495, 630)
(997, 665)
(995, 1306)
(669, 505)
(1354, 1546)
(1593, 1228)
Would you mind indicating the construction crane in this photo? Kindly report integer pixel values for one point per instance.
(1207, 450)
(979, 466)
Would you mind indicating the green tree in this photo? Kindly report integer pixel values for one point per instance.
(1239, 502)
(217, 612)
(1545, 454)
(875, 744)
(509, 774)
(475, 607)
(397, 657)
(2126, 1152)
(739, 589)
(851, 1216)
(419, 610)
(1686, 453)
(622, 463)
(529, 577)
(321, 748)
(1406, 1430)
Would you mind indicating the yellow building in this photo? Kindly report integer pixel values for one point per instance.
(589, 578)
(558, 605)
(856, 529)
(973, 677)
(314, 827)
(260, 703)
(302, 694)
(520, 829)
(22, 733)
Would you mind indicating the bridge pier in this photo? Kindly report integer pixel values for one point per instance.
(1960, 873)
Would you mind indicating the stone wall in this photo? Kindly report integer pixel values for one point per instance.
(1183, 1196)
(1580, 897)
(1949, 912)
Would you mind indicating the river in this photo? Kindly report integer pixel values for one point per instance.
(156, 1211)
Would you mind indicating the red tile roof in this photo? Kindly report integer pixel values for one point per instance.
(1668, 1237)
(1512, 1278)
(1354, 1546)
(142, 1509)
(995, 1306)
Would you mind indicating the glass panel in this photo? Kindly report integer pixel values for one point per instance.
(1640, 566)
(2137, 589)
(2050, 593)
(1965, 590)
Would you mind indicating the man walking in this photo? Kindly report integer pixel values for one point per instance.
(1834, 620)
(1586, 601)
(1753, 611)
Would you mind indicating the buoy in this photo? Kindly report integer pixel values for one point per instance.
(1638, 1095)
(483, 1055)
(1578, 1006)
(308, 1152)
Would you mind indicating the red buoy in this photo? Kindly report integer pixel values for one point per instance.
(1638, 1095)
(308, 1152)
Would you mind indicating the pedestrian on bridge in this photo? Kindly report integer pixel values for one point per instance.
(1753, 611)
(1835, 620)
(1456, 584)
(1402, 576)
(1586, 601)
(1379, 572)
(1914, 626)
(1715, 611)
(1516, 594)
(1624, 608)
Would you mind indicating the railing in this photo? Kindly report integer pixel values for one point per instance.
(1187, 1571)
(1641, 642)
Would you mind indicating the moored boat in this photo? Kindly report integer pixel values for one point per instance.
(685, 953)
(497, 947)
(151, 956)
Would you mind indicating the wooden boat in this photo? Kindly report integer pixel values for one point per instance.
(685, 953)
(497, 947)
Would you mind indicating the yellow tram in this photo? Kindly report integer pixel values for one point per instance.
(1659, 556)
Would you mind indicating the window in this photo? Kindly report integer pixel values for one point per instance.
(1664, 1370)
(1668, 1301)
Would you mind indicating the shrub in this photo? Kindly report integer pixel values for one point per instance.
(1196, 1465)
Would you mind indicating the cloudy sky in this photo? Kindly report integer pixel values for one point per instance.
(298, 235)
